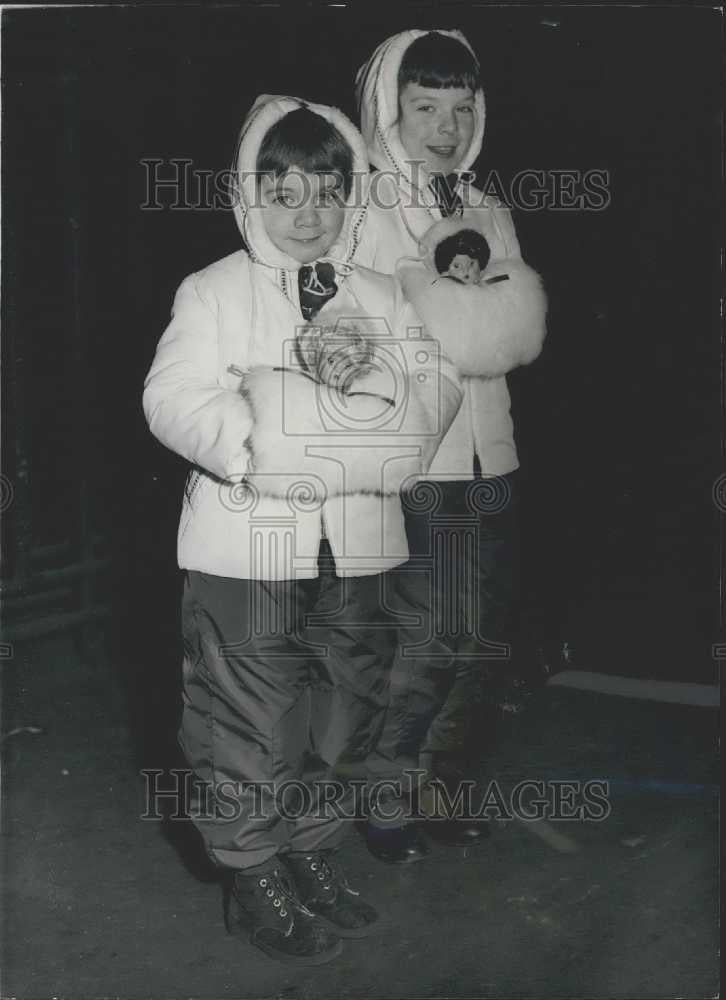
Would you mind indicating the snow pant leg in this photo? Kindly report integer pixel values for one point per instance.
(489, 590)
(423, 666)
(354, 621)
(247, 714)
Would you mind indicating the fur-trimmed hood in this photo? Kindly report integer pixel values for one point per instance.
(266, 112)
(377, 97)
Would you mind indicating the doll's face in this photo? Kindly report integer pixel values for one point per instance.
(465, 269)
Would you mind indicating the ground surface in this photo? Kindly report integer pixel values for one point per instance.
(99, 903)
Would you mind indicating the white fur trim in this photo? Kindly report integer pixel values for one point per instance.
(485, 330)
(296, 439)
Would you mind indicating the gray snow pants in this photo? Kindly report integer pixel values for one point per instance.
(273, 699)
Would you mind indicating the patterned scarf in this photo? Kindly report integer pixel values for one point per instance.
(444, 187)
(316, 284)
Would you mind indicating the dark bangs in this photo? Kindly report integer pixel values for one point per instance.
(306, 140)
(438, 61)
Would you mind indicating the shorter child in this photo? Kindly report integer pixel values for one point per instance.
(271, 703)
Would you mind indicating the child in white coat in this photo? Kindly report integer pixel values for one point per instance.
(422, 116)
(291, 508)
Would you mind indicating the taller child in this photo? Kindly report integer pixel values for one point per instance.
(422, 117)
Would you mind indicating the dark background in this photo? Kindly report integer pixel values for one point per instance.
(618, 423)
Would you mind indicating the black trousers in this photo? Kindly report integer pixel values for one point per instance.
(460, 590)
(281, 679)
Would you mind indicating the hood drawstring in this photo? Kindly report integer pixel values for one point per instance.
(315, 286)
(342, 268)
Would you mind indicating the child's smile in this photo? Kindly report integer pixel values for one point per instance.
(303, 213)
(436, 125)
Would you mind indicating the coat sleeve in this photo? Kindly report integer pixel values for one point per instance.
(502, 219)
(434, 387)
(185, 406)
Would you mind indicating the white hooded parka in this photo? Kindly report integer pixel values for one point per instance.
(240, 314)
(403, 209)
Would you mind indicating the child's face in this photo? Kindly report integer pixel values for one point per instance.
(302, 213)
(465, 268)
(436, 125)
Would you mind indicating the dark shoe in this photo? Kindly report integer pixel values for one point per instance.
(398, 845)
(531, 667)
(324, 890)
(265, 906)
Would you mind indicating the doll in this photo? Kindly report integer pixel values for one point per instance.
(463, 256)
(485, 313)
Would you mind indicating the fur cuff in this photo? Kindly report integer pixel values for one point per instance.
(487, 329)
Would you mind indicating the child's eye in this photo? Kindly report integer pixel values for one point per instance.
(336, 196)
(467, 109)
(285, 200)
(425, 107)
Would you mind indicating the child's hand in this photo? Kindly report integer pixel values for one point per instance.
(336, 354)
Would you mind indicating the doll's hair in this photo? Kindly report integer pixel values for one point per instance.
(306, 140)
(465, 241)
(436, 60)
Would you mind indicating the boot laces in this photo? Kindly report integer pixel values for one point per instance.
(327, 873)
(279, 890)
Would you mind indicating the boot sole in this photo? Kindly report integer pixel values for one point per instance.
(350, 933)
(235, 928)
(319, 959)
